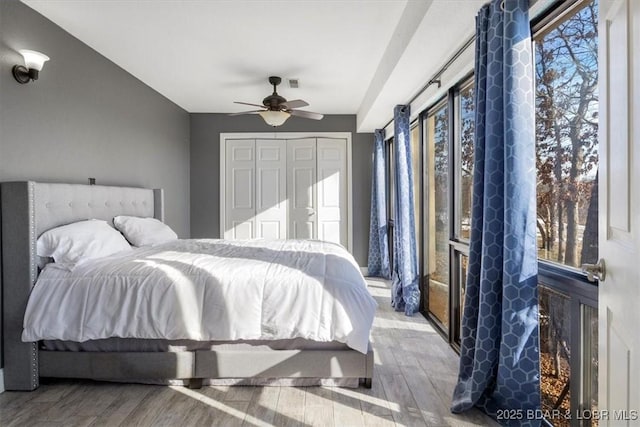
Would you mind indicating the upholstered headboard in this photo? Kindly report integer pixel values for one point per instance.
(59, 204)
(29, 209)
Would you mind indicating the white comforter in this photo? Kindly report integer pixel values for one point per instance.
(207, 290)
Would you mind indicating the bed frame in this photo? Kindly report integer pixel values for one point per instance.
(30, 208)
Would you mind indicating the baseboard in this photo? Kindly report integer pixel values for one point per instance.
(1, 380)
(364, 271)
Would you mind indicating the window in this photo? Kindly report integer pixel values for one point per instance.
(567, 139)
(464, 159)
(555, 347)
(391, 194)
(416, 153)
(463, 190)
(447, 174)
(567, 207)
(461, 260)
(436, 220)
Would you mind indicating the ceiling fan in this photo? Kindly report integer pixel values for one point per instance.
(275, 109)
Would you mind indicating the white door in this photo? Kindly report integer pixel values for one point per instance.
(331, 190)
(271, 189)
(240, 198)
(301, 188)
(619, 209)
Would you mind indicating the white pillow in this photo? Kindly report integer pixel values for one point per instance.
(80, 241)
(144, 231)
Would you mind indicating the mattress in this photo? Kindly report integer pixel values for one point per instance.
(149, 345)
(207, 290)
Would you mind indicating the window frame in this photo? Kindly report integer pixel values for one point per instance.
(463, 85)
(567, 279)
(424, 116)
(418, 199)
(390, 169)
(457, 246)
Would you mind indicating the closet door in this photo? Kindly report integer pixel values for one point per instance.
(279, 189)
(271, 189)
(332, 190)
(301, 186)
(240, 197)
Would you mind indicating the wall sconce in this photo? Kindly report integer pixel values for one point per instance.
(34, 62)
(274, 118)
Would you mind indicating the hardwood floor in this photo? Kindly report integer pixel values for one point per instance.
(414, 374)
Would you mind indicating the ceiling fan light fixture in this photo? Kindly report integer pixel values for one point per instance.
(274, 118)
(276, 109)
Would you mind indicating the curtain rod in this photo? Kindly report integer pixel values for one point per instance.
(435, 79)
(538, 7)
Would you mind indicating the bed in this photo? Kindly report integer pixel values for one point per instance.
(30, 208)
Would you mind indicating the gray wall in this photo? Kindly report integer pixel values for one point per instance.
(86, 117)
(205, 173)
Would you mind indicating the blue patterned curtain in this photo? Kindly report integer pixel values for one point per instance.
(499, 360)
(405, 294)
(378, 263)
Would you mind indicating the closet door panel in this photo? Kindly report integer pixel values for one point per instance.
(301, 188)
(332, 190)
(271, 189)
(240, 205)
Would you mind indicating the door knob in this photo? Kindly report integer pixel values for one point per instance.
(594, 271)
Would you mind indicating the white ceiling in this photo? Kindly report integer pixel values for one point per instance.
(351, 56)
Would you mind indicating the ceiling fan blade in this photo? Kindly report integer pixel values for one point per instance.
(247, 103)
(295, 103)
(245, 112)
(306, 114)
